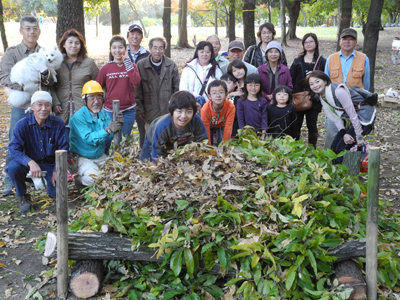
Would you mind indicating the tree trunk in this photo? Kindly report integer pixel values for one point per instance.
(216, 21)
(115, 19)
(70, 15)
(283, 23)
(248, 23)
(167, 26)
(349, 274)
(232, 33)
(86, 278)
(345, 10)
(226, 20)
(294, 11)
(372, 35)
(182, 29)
(304, 18)
(2, 28)
(269, 10)
(100, 246)
(350, 249)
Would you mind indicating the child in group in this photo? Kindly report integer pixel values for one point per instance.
(252, 108)
(238, 70)
(181, 126)
(231, 83)
(118, 78)
(281, 114)
(218, 114)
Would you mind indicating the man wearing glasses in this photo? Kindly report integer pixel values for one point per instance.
(90, 129)
(160, 79)
(30, 31)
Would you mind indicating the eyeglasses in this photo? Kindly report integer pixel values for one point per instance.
(157, 49)
(29, 29)
(218, 93)
(95, 97)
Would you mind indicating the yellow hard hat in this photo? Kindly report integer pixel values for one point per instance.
(92, 87)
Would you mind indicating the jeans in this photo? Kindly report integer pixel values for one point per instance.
(17, 173)
(129, 120)
(16, 115)
(146, 151)
(216, 135)
(142, 131)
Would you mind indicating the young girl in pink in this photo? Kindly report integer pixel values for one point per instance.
(118, 78)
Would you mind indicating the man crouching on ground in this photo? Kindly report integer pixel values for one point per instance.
(182, 126)
(90, 129)
(35, 140)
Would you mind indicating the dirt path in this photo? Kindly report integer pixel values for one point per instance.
(21, 264)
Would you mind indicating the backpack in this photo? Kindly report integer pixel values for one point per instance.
(363, 102)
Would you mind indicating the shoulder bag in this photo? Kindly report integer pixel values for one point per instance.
(301, 100)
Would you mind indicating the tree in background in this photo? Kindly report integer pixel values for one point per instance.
(49, 7)
(283, 25)
(115, 18)
(293, 8)
(392, 8)
(345, 11)
(167, 25)
(372, 35)
(231, 33)
(249, 35)
(70, 15)
(2, 29)
(182, 28)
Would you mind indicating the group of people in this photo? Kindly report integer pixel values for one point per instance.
(211, 100)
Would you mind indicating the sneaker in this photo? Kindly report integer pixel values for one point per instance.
(8, 189)
(70, 177)
(25, 203)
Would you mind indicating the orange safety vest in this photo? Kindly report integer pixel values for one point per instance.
(356, 72)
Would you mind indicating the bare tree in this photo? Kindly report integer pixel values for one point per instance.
(182, 29)
(115, 18)
(345, 10)
(2, 29)
(372, 35)
(167, 25)
(137, 17)
(70, 15)
(248, 22)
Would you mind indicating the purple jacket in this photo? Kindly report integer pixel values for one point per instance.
(284, 78)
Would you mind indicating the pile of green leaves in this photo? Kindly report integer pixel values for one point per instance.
(265, 211)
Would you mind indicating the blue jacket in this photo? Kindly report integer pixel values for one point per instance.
(87, 137)
(31, 142)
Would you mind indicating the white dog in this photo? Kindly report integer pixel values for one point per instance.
(27, 72)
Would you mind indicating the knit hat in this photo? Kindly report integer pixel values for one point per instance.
(41, 95)
(272, 45)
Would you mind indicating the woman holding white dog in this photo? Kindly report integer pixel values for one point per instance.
(118, 78)
(75, 71)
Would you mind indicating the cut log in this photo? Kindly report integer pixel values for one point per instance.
(105, 228)
(99, 246)
(349, 249)
(349, 274)
(86, 278)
